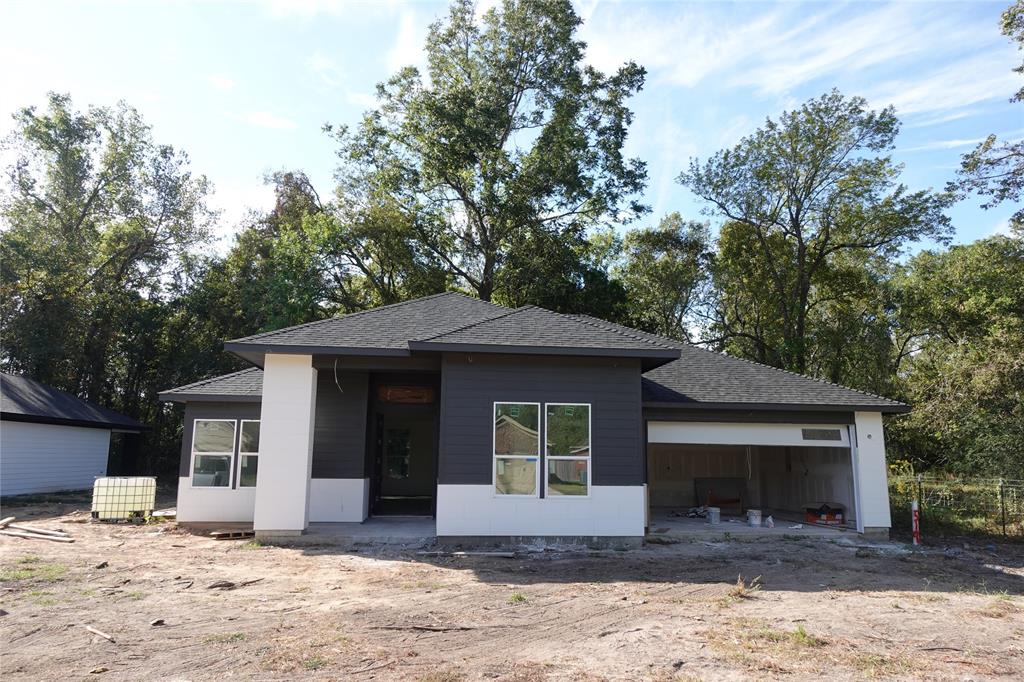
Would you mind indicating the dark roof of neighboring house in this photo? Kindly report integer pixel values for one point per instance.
(701, 378)
(243, 386)
(26, 400)
(451, 321)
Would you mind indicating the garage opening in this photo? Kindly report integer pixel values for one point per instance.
(787, 472)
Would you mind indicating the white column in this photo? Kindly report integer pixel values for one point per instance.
(286, 445)
(870, 473)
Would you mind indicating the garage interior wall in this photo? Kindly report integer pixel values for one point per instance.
(773, 478)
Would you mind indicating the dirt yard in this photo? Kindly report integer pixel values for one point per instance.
(804, 609)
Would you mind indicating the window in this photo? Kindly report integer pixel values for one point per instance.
(396, 452)
(213, 449)
(821, 434)
(516, 448)
(248, 453)
(567, 449)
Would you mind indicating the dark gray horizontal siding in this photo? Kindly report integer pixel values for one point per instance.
(211, 410)
(339, 433)
(469, 389)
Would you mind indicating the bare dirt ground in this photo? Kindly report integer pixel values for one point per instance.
(371, 613)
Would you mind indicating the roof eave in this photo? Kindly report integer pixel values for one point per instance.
(897, 408)
(171, 397)
(83, 423)
(284, 348)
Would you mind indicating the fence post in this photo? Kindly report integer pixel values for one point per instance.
(1002, 503)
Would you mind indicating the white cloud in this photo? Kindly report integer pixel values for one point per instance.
(408, 47)
(325, 68)
(220, 82)
(361, 99)
(264, 119)
(960, 84)
(943, 144)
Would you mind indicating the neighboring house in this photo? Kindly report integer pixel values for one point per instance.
(515, 423)
(52, 441)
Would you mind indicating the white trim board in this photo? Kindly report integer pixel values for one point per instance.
(726, 433)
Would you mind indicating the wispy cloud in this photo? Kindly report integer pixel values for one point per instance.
(961, 84)
(264, 119)
(408, 47)
(325, 68)
(943, 144)
(220, 82)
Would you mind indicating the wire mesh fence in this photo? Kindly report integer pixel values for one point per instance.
(954, 505)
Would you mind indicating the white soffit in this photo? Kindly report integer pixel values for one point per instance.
(723, 433)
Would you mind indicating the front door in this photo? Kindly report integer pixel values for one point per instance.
(403, 416)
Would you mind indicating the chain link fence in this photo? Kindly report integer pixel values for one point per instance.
(959, 506)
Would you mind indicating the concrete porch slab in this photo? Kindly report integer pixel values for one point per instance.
(676, 527)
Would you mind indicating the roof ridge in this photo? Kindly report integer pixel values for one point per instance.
(207, 380)
(511, 311)
(615, 328)
(356, 313)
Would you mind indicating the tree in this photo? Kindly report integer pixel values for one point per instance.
(665, 270)
(996, 169)
(96, 217)
(509, 137)
(964, 310)
(799, 194)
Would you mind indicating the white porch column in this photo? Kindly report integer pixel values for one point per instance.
(871, 474)
(286, 445)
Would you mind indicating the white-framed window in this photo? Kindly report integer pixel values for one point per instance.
(213, 452)
(516, 449)
(567, 449)
(248, 452)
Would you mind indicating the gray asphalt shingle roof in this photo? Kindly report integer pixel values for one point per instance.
(388, 327)
(699, 378)
(538, 329)
(702, 377)
(244, 385)
(24, 399)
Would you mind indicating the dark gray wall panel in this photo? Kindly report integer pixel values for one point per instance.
(339, 435)
(211, 410)
(471, 384)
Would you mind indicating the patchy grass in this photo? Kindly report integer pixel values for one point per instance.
(225, 638)
(32, 568)
(517, 598)
(251, 544)
(314, 663)
(999, 607)
(443, 676)
(42, 597)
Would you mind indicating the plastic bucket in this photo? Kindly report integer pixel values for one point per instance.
(714, 515)
(754, 517)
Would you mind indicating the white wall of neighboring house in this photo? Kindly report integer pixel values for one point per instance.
(44, 458)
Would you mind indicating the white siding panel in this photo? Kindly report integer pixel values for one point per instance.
(44, 458)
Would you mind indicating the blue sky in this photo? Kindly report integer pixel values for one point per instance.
(244, 87)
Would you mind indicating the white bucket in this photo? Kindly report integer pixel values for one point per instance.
(714, 515)
(754, 517)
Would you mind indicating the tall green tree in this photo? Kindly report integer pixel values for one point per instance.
(799, 195)
(995, 169)
(666, 270)
(507, 137)
(962, 312)
(96, 216)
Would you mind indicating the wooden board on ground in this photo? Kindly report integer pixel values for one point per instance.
(232, 534)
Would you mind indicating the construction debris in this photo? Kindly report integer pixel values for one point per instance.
(99, 633)
(8, 527)
(228, 585)
(232, 534)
